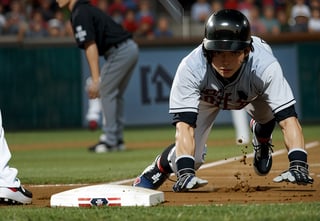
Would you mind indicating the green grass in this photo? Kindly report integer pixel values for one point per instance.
(49, 162)
(264, 212)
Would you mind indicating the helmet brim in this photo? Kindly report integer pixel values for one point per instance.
(225, 45)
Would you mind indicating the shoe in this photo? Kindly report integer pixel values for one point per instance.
(103, 147)
(15, 195)
(187, 182)
(121, 146)
(151, 177)
(262, 160)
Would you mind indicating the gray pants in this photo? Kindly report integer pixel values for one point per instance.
(258, 109)
(115, 75)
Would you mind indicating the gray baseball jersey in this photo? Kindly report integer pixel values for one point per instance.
(260, 76)
(260, 88)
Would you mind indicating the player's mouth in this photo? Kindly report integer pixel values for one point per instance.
(226, 70)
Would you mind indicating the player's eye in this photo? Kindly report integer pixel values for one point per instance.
(236, 52)
(217, 52)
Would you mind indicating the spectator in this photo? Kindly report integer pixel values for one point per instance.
(200, 10)
(117, 10)
(281, 4)
(269, 2)
(103, 5)
(144, 12)
(314, 22)
(55, 28)
(300, 14)
(257, 27)
(245, 6)
(283, 21)
(270, 21)
(37, 26)
(57, 25)
(145, 29)
(16, 21)
(216, 5)
(231, 4)
(46, 9)
(163, 30)
(117, 6)
(129, 22)
(314, 4)
(131, 4)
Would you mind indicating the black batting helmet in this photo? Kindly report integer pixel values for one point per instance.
(227, 30)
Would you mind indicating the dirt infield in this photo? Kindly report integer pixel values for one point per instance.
(229, 182)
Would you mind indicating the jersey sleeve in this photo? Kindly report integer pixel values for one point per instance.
(277, 91)
(185, 90)
(83, 27)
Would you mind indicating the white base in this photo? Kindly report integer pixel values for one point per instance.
(107, 195)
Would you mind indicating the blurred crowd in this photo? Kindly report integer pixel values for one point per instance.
(43, 18)
(267, 16)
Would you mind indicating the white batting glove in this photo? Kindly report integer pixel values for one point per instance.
(298, 173)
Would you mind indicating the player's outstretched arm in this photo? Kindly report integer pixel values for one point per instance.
(185, 144)
(298, 171)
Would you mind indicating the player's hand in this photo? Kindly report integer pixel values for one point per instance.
(297, 173)
(93, 90)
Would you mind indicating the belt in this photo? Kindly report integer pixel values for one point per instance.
(116, 45)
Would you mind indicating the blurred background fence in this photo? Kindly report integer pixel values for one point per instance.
(42, 80)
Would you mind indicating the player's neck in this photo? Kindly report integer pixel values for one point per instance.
(224, 80)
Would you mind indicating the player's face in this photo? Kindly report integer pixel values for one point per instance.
(226, 63)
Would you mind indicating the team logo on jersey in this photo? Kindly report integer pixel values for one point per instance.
(224, 100)
(80, 33)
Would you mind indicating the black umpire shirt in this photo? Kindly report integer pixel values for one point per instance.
(92, 24)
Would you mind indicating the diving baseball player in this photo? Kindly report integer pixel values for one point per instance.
(229, 70)
(98, 35)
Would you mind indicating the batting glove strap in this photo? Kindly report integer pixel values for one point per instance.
(186, 171)
(298, 173)
(184, 183)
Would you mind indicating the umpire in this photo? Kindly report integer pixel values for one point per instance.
(97, 34)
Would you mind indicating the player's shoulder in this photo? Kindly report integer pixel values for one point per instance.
(195, 59)
(260, 45)
(193, 66)
(262, 55)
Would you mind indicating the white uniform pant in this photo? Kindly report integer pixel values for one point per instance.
(258, 109)
(7, 175)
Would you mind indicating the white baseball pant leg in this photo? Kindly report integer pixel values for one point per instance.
(8, 176)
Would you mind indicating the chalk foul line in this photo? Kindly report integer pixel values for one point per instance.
(204, 166)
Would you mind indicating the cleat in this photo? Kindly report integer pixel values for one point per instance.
(103, 147)
(151, 177)
(187, 182)
(262, 160)
(15, 195)
(100, 147)
(121, 146)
